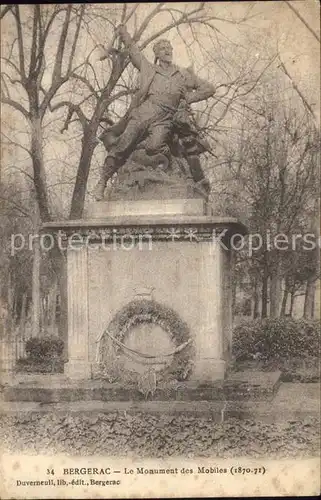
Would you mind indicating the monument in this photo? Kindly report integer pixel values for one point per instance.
(149, 272)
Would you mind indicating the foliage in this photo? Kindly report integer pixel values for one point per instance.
(149, 310)
(162, 435)
(141, 311)
(30, 365)
(278, 338)
(44, 348)
(147, 383)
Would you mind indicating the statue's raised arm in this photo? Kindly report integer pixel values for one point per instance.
(136, 56)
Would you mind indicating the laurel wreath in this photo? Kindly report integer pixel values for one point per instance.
(179, 362)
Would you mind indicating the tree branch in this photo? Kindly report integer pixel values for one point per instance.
(16, 206)
(75, 40)
(10, 141)
(56, 74)
(119, 94)
(302, 20)
(73, 108)
(4, 11)
(85, 81)
(184, 19)
(8, 61)
(20, 43)
(131, 13)
(57, 79)
(15, 105)
(147, 20)
(56, 11)
(296, 88)
(33, 54)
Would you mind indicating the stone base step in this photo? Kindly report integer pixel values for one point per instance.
(218, 411)
(239, 386)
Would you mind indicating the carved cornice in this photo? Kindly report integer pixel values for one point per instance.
(116, 229)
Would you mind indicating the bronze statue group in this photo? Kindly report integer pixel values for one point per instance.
(159, 124)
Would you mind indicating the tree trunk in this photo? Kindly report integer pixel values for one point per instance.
(36, 295)
(79, 193)
(308, 310)
(10, 301)
(35, 285)
(284, 302)
(292, 304)
(275, 291)
(256, 300)
(233, 285)
(265, 281)
(39, 174)
(23, 316)
(51, 309)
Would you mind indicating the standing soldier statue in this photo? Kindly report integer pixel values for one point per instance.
(163, 92)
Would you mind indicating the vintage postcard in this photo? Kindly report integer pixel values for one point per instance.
(160, 250)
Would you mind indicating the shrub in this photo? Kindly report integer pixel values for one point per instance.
(276, 338)
(44, 348)
(45, 365)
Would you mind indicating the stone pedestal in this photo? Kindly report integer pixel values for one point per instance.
(209, 346)
(78, 365)
(182, 206)
(180, 261)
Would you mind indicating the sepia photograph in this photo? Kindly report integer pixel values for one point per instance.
(160, 250)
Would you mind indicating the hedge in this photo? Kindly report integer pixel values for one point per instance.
(28, 365)
(276, 339)
(44, 348)
(44, 355)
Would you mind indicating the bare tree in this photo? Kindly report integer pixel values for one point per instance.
(24, 73)
(274, 164)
